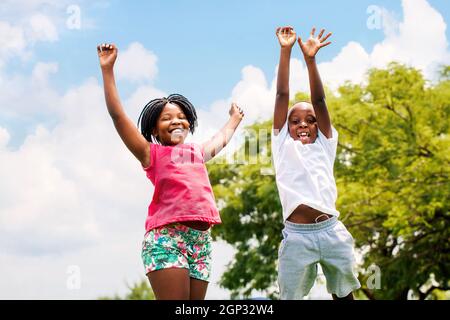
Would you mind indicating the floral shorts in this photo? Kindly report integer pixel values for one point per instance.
(178, 246)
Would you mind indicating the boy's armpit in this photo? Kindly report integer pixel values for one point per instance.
(276, 132)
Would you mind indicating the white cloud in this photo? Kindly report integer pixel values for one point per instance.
(12, 40)
(29, 6)
(73, 195)
(41, 73)
(350, 64)
(139, 98)
(252, 92)
(42, 29)
(4, 137)
(30, 94)
(421, 45)
(25, 23)
(412, 42)
(136, 64)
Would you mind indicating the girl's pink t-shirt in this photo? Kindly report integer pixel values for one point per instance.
(183, 191)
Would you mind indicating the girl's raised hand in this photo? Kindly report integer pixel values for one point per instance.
(236, 111)
(107, 53)
(313, 44)
(286, 36)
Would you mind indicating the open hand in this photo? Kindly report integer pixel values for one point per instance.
(236, 111)
(313, 44)
(286, 36)
(107, 54)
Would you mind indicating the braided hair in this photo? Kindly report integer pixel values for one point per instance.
(151, 112)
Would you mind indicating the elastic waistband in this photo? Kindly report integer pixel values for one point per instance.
(310, 227)
(179, 227)
(184, 228)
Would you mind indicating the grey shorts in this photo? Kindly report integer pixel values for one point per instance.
(304, 246)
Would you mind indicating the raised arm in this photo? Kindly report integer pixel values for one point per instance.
(213, 146)
(310, 49)
(286, 37)
(127, 130)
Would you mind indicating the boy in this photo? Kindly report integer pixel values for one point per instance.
(304, 149)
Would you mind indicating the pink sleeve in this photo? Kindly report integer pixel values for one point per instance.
(153, 151)
(202, 150)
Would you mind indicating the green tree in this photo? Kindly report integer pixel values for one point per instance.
(140, 290)
(392, 173)
(250, 211)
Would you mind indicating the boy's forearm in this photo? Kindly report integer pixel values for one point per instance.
(111, 93)
(282, 96)
(283, 71)
(318, 98)
(315, 82)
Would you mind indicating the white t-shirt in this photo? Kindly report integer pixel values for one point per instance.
(304, 172)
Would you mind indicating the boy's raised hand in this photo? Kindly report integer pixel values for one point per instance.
(107, 53)
(313, 44)
(286, 36)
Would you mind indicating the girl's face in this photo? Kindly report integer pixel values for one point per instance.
(172, 127)
(302, 123)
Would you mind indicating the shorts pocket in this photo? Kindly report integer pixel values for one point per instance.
(341, 229)
(283, 243)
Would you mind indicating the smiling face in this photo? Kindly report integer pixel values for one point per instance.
(172, 126)
(302, 123)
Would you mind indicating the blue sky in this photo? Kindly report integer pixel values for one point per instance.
(203, 45)
(69, 190)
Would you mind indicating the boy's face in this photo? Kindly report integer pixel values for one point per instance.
(302, 123)
(172, 126)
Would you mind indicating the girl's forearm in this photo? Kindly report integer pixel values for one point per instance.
(221, 139)
(315, 83)
(226, 133)
(112, 98)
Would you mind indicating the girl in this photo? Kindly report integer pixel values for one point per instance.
(176, 249)
(304, 149)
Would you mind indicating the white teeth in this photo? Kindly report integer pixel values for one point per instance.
(177, 131)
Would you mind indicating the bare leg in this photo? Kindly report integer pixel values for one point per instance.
(198, 289)
(170, 284)
(349, 297)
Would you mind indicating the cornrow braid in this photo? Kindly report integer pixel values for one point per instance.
(152, 110)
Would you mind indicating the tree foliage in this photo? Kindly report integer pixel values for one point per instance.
(138, 291)
(392, 174)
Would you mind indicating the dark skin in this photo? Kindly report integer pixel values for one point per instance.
(303, 127)
(305, 119)
(171, 129)
(175, 284)
(302, 123)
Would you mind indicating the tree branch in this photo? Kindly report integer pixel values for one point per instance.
(390, 108)
(368, 293)
(424, 295)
